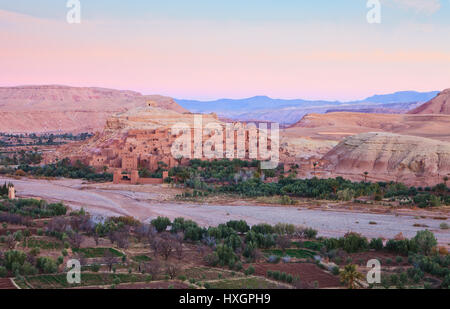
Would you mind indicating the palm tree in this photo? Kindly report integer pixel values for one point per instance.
(365, 176)
(315, 165)
(350, 275)
(179, 159)
(445, 180)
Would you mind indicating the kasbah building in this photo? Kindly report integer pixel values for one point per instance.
(136, 149)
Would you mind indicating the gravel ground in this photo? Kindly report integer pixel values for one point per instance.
(101, 200)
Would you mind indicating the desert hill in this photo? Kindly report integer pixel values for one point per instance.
(68, 109)
(410, 159)
(335, 126)
(438, 105)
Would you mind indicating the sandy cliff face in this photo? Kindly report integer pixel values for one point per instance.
(411, 159)
(68, 109)
(438, 105)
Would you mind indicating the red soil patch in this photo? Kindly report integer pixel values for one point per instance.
(363, 257)
(6, 284)
(308, 273)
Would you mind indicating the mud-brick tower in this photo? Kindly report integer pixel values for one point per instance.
(11, 192)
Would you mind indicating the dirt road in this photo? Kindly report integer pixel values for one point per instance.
(148, 202)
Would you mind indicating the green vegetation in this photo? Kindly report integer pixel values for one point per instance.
(4, 189)
(33, 208)
(276, 275)
(244, 283)
(59, 281)
(295, 253)
(22, 157)
(233, 251)
(351, 243)
(65, 169)
(97, 252)
(246, 179)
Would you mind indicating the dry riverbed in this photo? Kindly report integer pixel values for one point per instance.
(148, 202)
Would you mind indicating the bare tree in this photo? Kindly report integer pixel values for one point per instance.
(96, 238)
(109, 259)
(179, 253)
(203, 250)
(153, 268)
(58, 224)
(121, 239)
(166, 246)
(142, 231)
(154, 244)
(172, 271)
(76, 239)
(283, 242)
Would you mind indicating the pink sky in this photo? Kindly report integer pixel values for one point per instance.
(214, 59)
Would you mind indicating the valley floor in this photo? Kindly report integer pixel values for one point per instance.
(148, 202)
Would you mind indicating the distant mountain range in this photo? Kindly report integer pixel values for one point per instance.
(290, 111)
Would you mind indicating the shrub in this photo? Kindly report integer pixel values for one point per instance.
(446, 282)
(403, 278)
(239, 226)
(46, 265)
(238, 266)
(276, 275)
(250, 271)
(425, 241)
(376, 244)
(18, 236)
(161, 224)
(95, 268)
(335, 270)
(14, 258)
(226, 255)
(28, 269)
(212, 259)
(3, 272)
(354, 242)
(35, 252)
(263, 228)
(399, 260)
(310, 233)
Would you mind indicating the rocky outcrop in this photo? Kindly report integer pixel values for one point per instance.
(68, 109)
(409, 159)
(438, 105)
